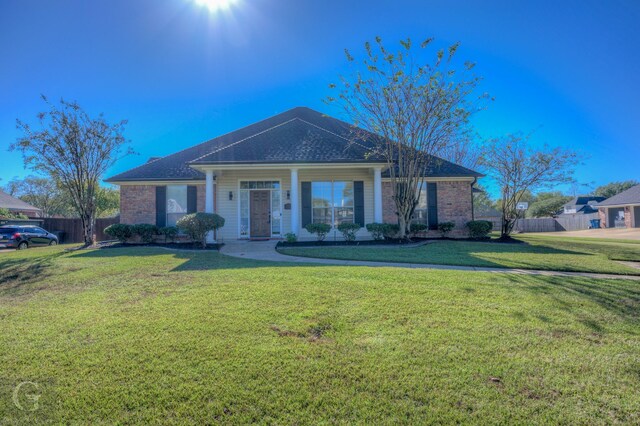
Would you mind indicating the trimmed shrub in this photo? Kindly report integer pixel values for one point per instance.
(198, 225)
(445, 228)
(120, 231)
(291, 237)
(416, 228)
(376, 230)
(390, 231)
(349, 230)
(169, 232)
(479, 229)
(320, 229)
(145, 231)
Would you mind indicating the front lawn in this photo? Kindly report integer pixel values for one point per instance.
(146, 335)
(537, 252)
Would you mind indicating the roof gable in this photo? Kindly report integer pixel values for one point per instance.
(630, 196)
(299, 135)
(12, 203)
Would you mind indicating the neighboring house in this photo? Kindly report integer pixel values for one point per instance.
(622, 210)
(582, 204)
(16, 205)
(277, 175)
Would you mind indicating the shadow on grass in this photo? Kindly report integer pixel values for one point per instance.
(192, 260)
(17, 273)
(618, 297)
(451, 252)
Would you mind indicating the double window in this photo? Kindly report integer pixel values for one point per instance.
(332, 202)
(176, 203)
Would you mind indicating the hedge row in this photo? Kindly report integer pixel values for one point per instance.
(195, 225)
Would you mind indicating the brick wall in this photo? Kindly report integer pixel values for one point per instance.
(454, 205)
(602, 214)
(389, 213)
(627, 216)
(137, 204)
(200, 197)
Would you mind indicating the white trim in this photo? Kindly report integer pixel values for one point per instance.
(295, 202)
(441, 179)
(286, 166)
(160, 182)
(377, 195)
(239, 230)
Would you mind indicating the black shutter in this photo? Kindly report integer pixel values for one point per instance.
(192, 199)
(306, 203)
(161, 206)
(432, 204)
(358, 202)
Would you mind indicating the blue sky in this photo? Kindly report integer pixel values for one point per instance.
(570, 70)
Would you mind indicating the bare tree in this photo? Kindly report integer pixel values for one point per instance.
(74, 150)
(465, 151)
(519, 169)
(411, 112)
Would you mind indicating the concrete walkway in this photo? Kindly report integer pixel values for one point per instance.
(265, 251)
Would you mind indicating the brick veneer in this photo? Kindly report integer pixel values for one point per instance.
(138, 203)
(627, 216)
(454, 205)
(602, 214)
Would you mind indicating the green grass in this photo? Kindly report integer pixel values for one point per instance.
(538, 252)
(145, 335)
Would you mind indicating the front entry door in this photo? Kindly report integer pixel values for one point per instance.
(260, 214)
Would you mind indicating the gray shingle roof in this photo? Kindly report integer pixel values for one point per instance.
(13, 203)
(581, 200)
(630, 196)
(299, 135)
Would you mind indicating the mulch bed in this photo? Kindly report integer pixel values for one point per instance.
(353, 243)
(387, 243)
(174, 246)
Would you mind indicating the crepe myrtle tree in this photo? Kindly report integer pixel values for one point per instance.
(519, 168)
(74, 150)
(412, 110)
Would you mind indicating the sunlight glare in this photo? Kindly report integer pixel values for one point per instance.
(215, 5)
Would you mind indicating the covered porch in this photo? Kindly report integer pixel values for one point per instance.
(262, 202)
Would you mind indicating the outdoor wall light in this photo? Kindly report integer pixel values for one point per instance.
(288, 194)
(230, 195)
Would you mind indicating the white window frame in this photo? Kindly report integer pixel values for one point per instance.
(333, 207)
(423, 191)
(166, 202)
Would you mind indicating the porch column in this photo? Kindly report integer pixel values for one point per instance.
(295, 204)
(377, 194)
(208, 200)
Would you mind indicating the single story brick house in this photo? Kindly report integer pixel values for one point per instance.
(621, 210)
(17, 206)
(277, 175)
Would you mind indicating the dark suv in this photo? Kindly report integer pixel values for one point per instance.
(24, 236)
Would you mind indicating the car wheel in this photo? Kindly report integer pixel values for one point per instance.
(53, 243)
(23, 246)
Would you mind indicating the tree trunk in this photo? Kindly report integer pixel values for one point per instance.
(88, 229)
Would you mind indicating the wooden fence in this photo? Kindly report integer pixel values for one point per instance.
(72, 228)
(564, 223)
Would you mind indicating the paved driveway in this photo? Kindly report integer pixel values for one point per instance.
(613, 233)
